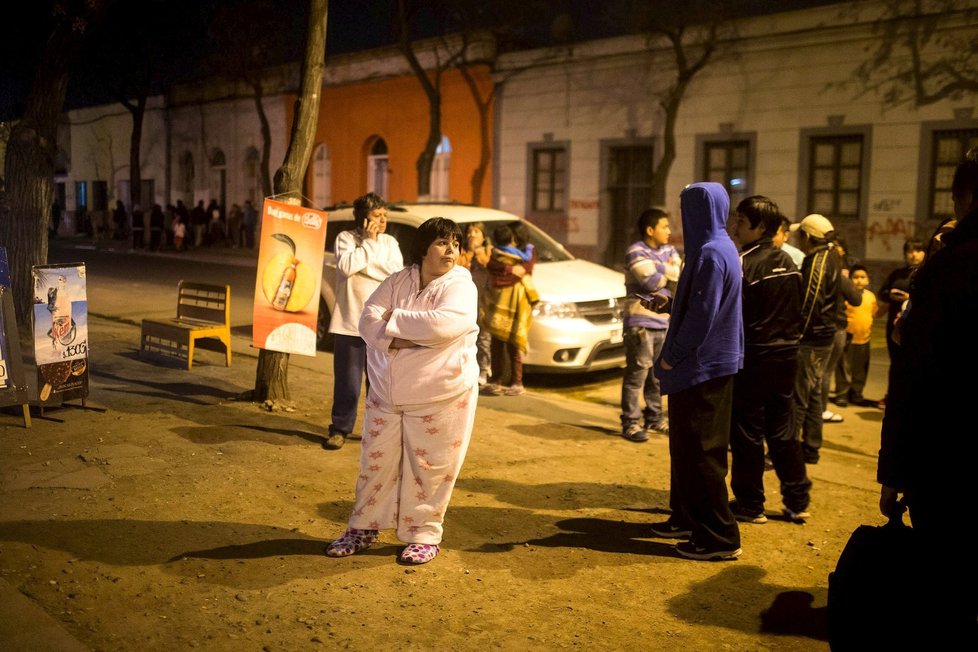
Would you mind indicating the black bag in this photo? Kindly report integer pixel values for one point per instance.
(876, 598)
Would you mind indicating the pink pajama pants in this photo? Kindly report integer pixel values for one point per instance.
(410, 457)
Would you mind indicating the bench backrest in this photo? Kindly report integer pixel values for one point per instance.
(204, 301)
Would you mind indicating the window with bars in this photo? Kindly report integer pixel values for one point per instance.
(949, 146)
(835, 175)
(549, 179)
(728, 162)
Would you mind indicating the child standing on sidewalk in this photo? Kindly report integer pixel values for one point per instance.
(850, 379)
(509, 307)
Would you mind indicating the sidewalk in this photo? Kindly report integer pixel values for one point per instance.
(182, 517)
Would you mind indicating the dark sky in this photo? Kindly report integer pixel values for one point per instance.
(352, 25)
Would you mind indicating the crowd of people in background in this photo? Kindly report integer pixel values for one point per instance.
(172, 227)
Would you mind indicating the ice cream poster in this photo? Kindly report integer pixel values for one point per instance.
(61, 332)
(290, 272)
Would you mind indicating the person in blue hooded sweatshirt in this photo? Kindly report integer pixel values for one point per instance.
(703, 350)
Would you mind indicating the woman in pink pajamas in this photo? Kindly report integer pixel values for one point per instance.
(420, 328)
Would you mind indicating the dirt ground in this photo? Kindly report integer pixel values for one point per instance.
(183, 518)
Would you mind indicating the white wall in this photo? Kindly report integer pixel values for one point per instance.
(780, 80)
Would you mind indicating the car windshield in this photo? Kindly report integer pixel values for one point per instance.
(548, 249)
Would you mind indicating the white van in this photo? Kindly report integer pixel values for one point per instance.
(577, 325)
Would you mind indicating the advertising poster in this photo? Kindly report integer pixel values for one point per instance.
(4, 282)
(61, 332)
(4, 373)
(290, 271)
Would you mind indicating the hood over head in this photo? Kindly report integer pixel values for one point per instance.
(705, 208)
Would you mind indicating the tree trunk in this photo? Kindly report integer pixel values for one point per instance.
(661, 173)
(138, 111)
(25, 207)
(271, 376)
(266, 139)
(485, 141)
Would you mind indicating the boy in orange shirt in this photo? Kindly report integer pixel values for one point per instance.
(850, 377)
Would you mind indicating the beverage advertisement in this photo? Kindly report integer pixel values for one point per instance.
(61, 332)
(4, 282)
(290, 272)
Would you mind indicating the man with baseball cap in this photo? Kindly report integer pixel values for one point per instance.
(823, 284)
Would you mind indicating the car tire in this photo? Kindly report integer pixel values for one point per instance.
(324, 339)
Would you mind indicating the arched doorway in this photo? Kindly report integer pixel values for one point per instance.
(219, 178)
(439, 170)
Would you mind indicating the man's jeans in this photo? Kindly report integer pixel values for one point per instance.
(812, 361)
(641, 347)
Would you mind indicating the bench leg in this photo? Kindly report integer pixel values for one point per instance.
(190, 352)
(227, 346)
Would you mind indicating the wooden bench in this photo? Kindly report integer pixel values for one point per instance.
(203, 313)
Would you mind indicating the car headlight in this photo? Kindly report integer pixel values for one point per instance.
(554, 310)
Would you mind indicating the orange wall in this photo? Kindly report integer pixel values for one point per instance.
(352, 116)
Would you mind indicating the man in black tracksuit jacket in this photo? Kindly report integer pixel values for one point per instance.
(823, 298)
(763, 390)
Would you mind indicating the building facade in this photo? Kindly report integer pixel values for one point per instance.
(778, 111)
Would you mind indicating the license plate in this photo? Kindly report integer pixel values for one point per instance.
(616, 336)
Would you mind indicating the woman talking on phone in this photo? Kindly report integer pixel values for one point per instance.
(420, 329)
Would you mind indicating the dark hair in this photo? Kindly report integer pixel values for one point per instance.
(966, 175)
(521, 234)
(758, 209)
(650, 218)
(474, 225)
(912, 244)
(502, 235)
(363, 206)
(858, 267)
(430, 230)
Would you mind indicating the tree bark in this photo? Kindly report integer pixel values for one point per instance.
(25, 207)
(485, 141)
(266, 138)
(271, 376)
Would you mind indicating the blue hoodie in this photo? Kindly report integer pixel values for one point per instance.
(705, 339)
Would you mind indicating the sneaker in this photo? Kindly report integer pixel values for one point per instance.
(746, 517)
(662, 428)
(419, 553)
(483, 378)
(635, 433)
(334, 440)
(669, 530)
(841, 401)
(514, 390)
(831, 417)
(352, 542)
(796, 517)
(691, 550)
(491, 389)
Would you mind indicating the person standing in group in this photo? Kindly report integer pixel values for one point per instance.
(198, 222)
(780, 240)
(179, 231)
(927, 448)
(249, 220)
(365, 256)
(763, 411)
(822, 301)
(509, 309)
(420, 329)
(651, 268)
(895, 292)
(851, 375)
(703, 349)
(235, 217)
(851, 296)
(474, 257)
